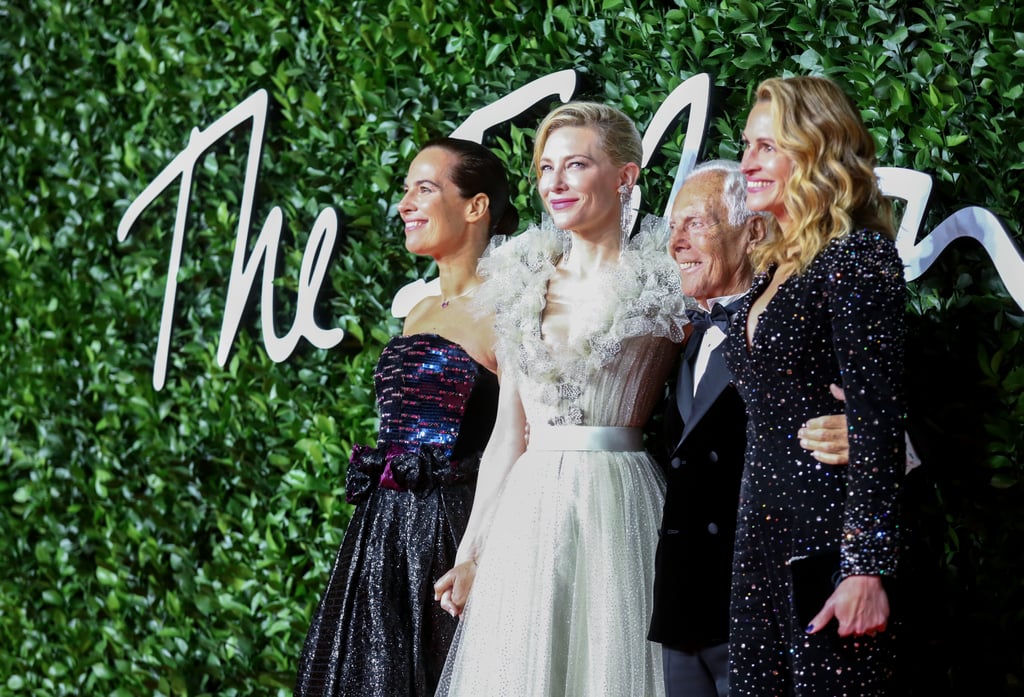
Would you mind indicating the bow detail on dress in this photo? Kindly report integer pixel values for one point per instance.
(394, 467)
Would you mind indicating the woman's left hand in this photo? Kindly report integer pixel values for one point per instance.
(859, 604)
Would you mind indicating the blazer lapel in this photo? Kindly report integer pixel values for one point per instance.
(684, 383)
(715, 379)
(716, 375)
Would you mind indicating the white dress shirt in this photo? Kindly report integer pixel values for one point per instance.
(713, 337)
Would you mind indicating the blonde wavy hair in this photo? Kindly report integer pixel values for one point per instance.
(832, 188)
(620, 138)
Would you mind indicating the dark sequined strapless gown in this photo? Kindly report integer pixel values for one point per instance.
(377, 631)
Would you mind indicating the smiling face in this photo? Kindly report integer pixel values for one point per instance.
(712, 254)
(766, 168)
(432, 209)
(578, 182)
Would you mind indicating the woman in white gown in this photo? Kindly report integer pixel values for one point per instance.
(560, 546)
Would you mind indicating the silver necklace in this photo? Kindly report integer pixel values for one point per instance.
(447, 301)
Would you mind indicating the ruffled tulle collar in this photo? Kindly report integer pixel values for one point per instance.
(640, 295)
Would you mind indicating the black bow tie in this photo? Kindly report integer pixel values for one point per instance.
(719, 316)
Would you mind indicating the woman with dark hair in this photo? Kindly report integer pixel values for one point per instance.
(377, 631)
(814, 543)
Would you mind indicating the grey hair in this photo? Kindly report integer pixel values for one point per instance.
(734, 188)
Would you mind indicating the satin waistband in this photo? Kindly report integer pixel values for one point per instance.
(607, 438)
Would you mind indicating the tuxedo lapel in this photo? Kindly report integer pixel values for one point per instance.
(684, 383)
(715, 379)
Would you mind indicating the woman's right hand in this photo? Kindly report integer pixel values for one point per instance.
(452, 589)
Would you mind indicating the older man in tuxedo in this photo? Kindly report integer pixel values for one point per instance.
(713, 233)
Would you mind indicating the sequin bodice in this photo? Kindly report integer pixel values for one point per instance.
(841, 321)
(427, 388)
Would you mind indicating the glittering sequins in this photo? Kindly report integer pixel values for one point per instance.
(422, 388)
(840, 322)
(378, 631)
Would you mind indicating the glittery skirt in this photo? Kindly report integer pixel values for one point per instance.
(377, 631)
(562, 596)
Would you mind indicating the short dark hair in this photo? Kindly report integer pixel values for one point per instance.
(479, 171)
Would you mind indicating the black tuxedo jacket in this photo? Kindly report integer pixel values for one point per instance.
(693, 567)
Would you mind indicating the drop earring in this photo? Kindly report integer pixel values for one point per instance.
(625, 217)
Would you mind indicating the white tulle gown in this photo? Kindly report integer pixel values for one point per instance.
(562, 597)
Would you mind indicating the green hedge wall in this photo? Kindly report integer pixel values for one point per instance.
(173, 542)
